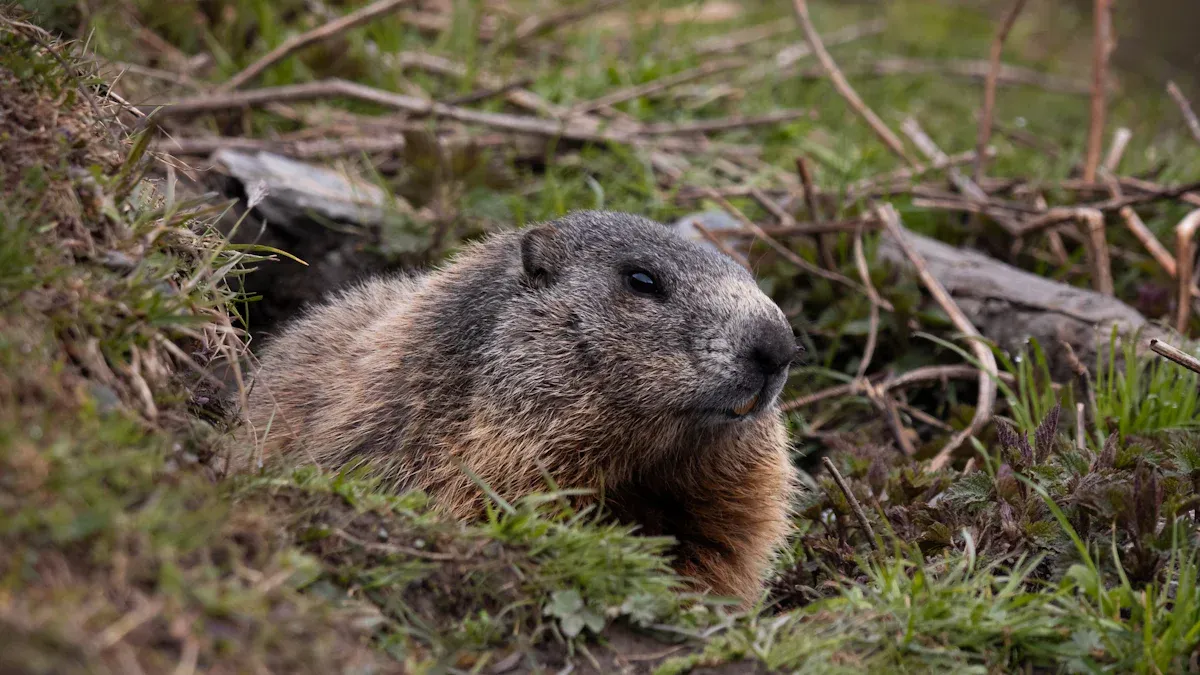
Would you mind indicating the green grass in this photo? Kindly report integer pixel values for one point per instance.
(1045, 557)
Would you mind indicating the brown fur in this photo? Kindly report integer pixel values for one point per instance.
(526, 354)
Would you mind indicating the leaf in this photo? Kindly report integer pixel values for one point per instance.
(564, 603)
(974, 488)
(1043, 437)
(571, 624)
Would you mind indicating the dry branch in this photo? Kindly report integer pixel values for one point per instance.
(989, 372)
(318, 34)
(537, 24)
(914, 376)
(843, 86)
(854, 505)
(658, 85)
(1102, 44)
(1185, 251)
(1189, 115)
(989, 89)
(574, 129)
(1174, 354)
(964, 184)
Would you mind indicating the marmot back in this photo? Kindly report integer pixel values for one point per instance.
(602, 348)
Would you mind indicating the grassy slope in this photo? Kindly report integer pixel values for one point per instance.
(227, 558)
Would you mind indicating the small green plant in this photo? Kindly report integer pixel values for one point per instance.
(1140, 394)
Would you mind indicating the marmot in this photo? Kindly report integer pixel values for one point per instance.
(603, 349)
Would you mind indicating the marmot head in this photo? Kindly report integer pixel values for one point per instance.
(625, 313)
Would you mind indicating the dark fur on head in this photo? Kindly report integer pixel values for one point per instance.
(602, 348)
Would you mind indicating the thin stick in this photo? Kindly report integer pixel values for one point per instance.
(1116, 151)
(1092, 222)
(782, 250)
(1174, 354)
(1133, 222)
(661, 84)
(864, 273)
(324, 32)
(915, 376)
(544, 23)
(1185, 252)
(989, 87)
(908, 173)
(722, 124)
(1080, 438)
(824, 242)
(1189, 115)
(859, 514)
(576, 129)
(1102, 44)
(721, 244)
(965, 185)
(987, 375)
(843, 86)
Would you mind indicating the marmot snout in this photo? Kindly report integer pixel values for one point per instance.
(602, 348)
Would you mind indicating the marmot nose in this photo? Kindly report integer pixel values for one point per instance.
(772, 347)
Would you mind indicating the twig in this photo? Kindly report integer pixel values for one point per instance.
(1116, 151)
(1185, 252)
(1174, 354)
(314, 149)
(324, 32)
(859, 514)
(784, 62)
(489, 92)
(988, 373)
(1007, 74)
(785, 219)
(575, 129)
(1133, 222)
(864, 273)
(965, 185)
(1102, 44)
(843, 86)
(908, 173)
(721, 244)
(1080, 437)
(544, 23)
(824, 243)
(915, 376)
(782, 250)
(1189, 115)
(661, 84)
(1092, 222)
(722, 124)
(393, 549)
(989, 88)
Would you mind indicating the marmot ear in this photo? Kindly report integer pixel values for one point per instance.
(541, 255)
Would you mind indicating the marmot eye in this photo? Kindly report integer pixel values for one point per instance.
(642, 281)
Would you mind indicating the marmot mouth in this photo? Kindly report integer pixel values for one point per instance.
(746, 407)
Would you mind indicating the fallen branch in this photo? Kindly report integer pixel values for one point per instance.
(839, 81)
(1185, 251)
(658, 85)
(914, 376)
(824, 243)
(965, 185)
(1174, 354)
(989, 372)
(854, 505)
(1102, 44)
(989, 88)
(324, 32)
(539, 23)
(1189, 115)
(418, 106)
